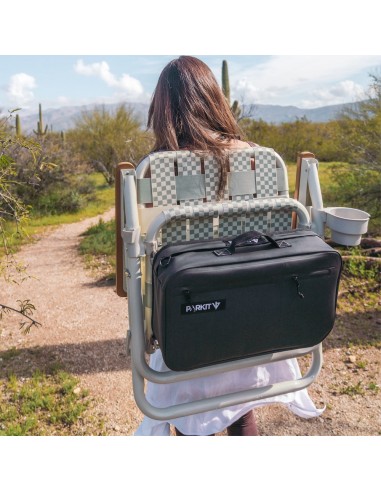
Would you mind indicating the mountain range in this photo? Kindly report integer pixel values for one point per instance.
(63, 118)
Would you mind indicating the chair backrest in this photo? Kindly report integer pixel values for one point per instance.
(166, 179)
(180, 178)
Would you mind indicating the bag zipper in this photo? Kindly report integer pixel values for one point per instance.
(317, 273)
(165, 261)
(296, 278)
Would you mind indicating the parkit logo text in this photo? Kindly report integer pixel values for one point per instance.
(204, 307)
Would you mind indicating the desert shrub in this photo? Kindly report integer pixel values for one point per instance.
(103, 139)
(360, 143)
(58, 201)
(99, 239)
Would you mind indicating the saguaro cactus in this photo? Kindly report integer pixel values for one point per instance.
(39, 131)
(18, 125)
(225, 80)
(236, 110)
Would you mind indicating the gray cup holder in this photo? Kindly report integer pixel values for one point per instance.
(347, 224)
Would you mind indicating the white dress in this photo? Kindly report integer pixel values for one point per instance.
(163, 395)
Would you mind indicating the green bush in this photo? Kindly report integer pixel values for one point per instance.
(59, 201)
(67, 196)
(99, 239)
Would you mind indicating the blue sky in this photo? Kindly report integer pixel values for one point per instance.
(278, 52)
(301, 80)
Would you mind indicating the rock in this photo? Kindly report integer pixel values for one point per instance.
(352, 359)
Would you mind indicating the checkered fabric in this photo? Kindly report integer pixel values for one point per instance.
(281, 220)
(174, 231)
(240, 160)
(201, 229)
(163, 182)
(212, 179)
(188, 164)
(180, 213)
(203, 210)
(230, 226)
(258, 222)
(202, 222)
(280, 203)
(195, 220)
(232, 223)
(265, 172)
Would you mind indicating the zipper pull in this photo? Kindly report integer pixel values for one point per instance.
(300, 294)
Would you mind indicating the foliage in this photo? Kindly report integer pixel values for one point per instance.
(358, 187)
(352, 390)
(99, 239)
(45, 404)
(60, 201)
(356, 265)
(11, 206)
(45, 183)
(354, 138)
(95, 194)
(359, 141)
(26, 309)
(104, 139)
(13, 209)
(290, 138)
(359, 129)
(98, 247)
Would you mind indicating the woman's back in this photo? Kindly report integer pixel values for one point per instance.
(189, 111)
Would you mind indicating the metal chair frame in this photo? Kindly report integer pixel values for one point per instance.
(140, 241)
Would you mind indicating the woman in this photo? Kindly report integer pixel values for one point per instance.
(189, 111)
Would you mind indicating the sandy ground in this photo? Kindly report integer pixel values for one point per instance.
(84, 324)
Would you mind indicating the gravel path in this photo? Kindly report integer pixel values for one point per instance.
(84, 325)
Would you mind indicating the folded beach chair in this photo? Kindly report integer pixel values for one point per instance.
(171, 197)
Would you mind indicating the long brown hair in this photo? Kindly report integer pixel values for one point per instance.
(189, 110)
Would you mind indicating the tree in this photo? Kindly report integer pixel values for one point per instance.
(360, 129)
(104, 139)
(12, 209)
(359, 140)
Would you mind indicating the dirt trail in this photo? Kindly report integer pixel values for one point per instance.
(84, 325)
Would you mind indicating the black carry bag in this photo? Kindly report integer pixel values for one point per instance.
(220, 300)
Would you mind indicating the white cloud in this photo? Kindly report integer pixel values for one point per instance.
(285, 78)
(63, 101)
(248, 92)
(345, 91)
(129, 86)
(20, 88)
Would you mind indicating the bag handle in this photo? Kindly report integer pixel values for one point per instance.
(247, 237)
